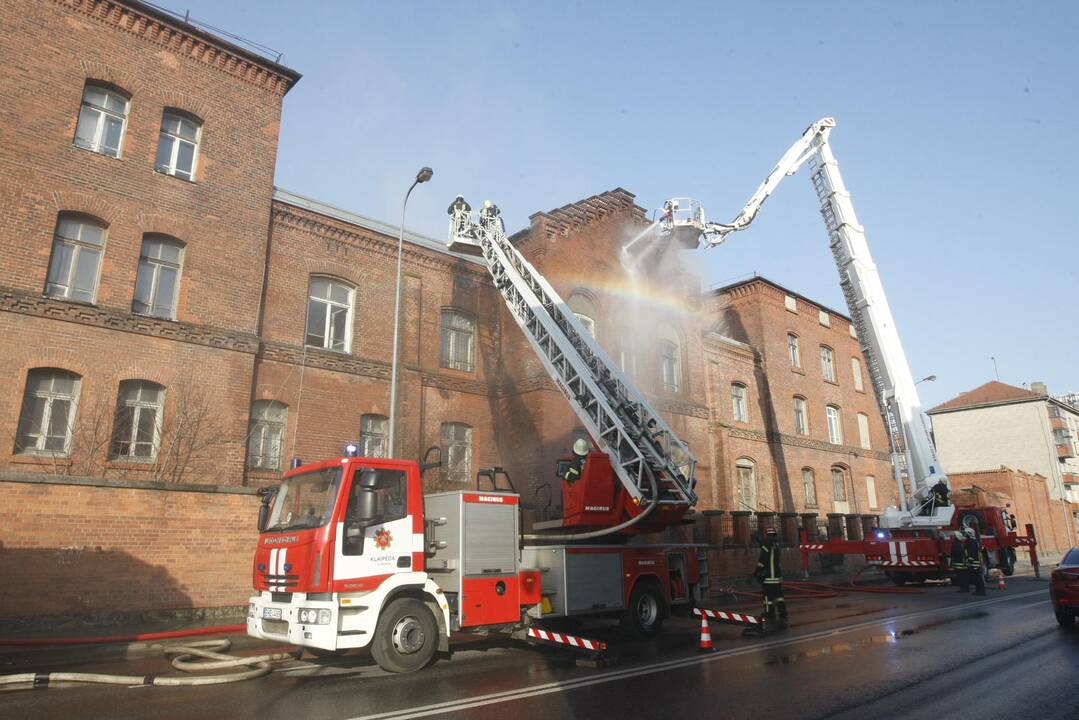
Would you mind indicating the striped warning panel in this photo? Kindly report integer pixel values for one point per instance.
(571, 640)
(906, 563)
(813, 546)
(726, 616)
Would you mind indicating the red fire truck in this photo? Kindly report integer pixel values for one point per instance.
(352, 554)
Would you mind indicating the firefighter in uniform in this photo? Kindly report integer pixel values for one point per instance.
(576, 466)
(959, 562)
(974, 560)
(458, 212)
(770, 575)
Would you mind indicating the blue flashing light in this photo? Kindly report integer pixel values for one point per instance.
(881, 534)
(296, 462)
(352, 450)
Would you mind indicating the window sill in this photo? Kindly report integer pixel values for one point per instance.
(797, 370)
(174, 177)
(260, 473)
(97, 152)
(812, 507)
(458, 370)
(326, 349)
(831, 382)
(862, 391)
(132, 463)
(31, 458)
(73, 301)
(153, 317)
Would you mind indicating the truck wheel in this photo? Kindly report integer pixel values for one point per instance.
(644, 616)
(1007, 564)
(1065, 617)
(899, 578)
(406, 636)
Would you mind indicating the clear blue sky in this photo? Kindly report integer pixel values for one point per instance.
(957, 134)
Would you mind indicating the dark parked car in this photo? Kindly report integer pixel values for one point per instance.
(1064, 588)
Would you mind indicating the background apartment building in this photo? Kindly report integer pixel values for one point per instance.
(180, 330)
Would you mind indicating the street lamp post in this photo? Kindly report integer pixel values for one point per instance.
(422, 176)
(927, 378)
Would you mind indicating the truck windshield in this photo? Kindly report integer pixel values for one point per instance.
(305, 500)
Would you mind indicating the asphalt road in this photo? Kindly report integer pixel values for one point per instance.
(936, 655)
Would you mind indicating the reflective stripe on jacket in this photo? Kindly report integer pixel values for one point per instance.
(769, 567)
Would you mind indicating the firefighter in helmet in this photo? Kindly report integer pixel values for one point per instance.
(458, 211)
(974, 560)
(576, 466)
(959, 562)
(769, 574)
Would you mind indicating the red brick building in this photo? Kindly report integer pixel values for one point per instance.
(179, 330)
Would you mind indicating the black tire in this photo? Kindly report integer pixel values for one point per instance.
(406, 636)
(899, 578)
(328, 654)
(644, 616)
(1065, 617)
(1007, 563)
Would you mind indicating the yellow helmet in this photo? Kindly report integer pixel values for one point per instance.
(580, 447)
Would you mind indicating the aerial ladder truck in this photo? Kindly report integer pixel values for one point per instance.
(351, 553)
(914, 539)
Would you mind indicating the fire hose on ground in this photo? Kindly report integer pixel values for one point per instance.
(196, 656)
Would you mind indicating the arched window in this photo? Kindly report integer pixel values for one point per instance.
(47, 419)
(178, 145)
(835, 427)
(157, 285)
(863, 430)
(269, 419)
(627, 351)
(585, 310)
(871, 491)
(801, 415)
(136, 433)
(102, 120)
(827, 363)
(75, 265)
(670, 359)
(809, 487)
(458, 341)
(839, 484)
(373, 436)
(329, 314)
(739, 405)
(746, 470)
(457, 453)
(793, 351)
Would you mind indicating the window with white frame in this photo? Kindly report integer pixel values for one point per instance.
(856, 372)
(801, 415)
(457, 453)
(863, 430)
(827, 363)
(670, 359)
(47, 420)
(269, 419)
(329, 314)
(835, 428)
(627, 352)
(839, 485)
(374, 431)
(809, 487)
(738, 402)
(102, 120)
(793, 351)
(136, 434)
(871, 490)
(178, 145)
(747, 483)
(75, 265)
(157, 285)
(585, 311)
(458, 341)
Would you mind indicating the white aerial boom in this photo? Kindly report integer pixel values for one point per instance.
(913, 453)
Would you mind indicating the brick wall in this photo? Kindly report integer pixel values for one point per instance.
(80, 548)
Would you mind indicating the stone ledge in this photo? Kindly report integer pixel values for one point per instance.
(47, 479)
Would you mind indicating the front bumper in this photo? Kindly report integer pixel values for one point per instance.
(280, 621)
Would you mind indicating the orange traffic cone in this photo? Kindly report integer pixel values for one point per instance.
(706, 636)
(1000, 583)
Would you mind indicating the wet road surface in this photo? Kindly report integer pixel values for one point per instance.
(935, 654)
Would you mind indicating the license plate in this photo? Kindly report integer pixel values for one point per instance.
(271, 613)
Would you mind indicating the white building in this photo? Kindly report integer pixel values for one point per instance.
(998, 424)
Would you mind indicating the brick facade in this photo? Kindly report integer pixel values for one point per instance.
(238, 335)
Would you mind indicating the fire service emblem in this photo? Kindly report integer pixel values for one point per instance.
(383, 538)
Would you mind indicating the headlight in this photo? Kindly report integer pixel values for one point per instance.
(314, 616)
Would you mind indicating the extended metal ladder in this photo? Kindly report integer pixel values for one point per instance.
(641, 446)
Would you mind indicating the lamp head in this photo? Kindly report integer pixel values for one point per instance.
(424, 174)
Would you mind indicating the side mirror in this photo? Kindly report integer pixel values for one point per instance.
(267, 495)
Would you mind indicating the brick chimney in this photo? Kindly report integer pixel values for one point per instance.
(1038, 388)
